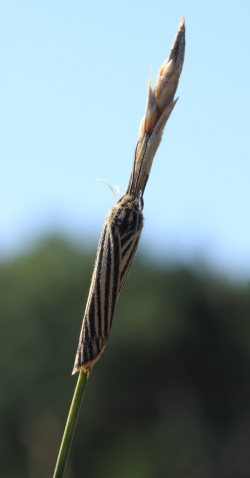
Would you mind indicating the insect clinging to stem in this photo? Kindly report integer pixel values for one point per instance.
(123, 226)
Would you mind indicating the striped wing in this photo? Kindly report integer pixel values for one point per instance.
(116, 250)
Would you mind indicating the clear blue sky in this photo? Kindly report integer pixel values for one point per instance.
(73, 91)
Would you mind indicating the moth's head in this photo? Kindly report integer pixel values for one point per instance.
(132, 200)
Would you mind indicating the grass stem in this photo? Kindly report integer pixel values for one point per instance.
(71, 424)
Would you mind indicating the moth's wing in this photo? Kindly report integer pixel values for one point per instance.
(116, 250)
(128, 247)
(105, 284)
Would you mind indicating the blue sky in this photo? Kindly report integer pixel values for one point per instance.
(73, 90)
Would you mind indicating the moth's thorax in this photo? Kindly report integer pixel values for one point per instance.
(126, 215)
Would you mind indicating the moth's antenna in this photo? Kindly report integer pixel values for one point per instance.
(114, 189)
(118, 190)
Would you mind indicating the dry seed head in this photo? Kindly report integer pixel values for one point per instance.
(168, 78)
(160, 104)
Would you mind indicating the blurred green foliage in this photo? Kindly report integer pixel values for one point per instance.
(170, 396)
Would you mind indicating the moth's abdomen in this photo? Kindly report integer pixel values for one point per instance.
(116, 250)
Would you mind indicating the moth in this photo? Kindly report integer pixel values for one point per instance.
(123, 226)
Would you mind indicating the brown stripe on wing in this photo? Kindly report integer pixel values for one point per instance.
(116, 269)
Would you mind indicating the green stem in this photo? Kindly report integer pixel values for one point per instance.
(71, 424)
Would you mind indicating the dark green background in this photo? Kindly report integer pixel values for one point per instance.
(170, 396)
